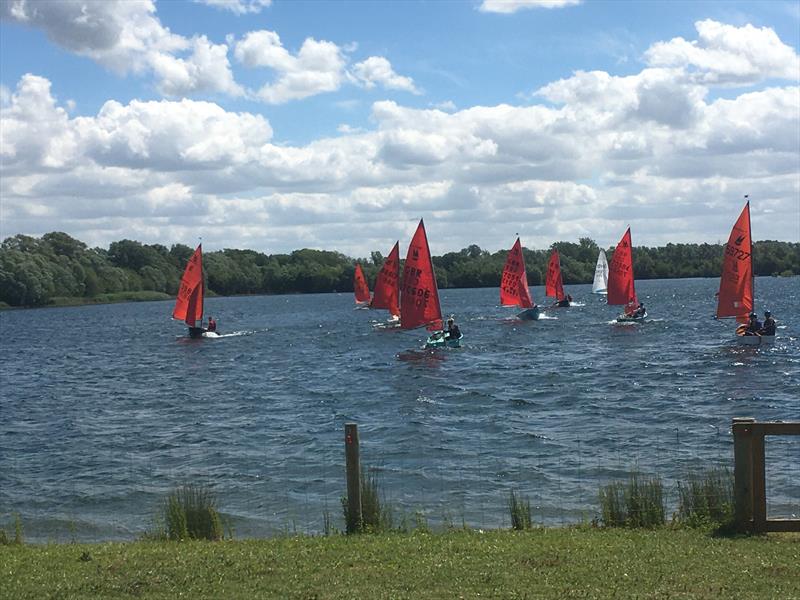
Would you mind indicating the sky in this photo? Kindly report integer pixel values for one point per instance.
(277, 125)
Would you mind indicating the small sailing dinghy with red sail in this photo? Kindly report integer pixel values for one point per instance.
(621, 289)
(419, 294)
(737, 284)
(514, 285)
(387, 286)
(360, 288)
(554, 285)
(189, 303)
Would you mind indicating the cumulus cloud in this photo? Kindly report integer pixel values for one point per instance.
(597, 151)
(238, 7)
(377, 70)
(725, 54)
(125, 36)
(512, 6)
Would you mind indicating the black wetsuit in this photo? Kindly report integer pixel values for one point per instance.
(453, 333)
(769, 327)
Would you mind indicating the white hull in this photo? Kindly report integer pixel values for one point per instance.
(755, 340)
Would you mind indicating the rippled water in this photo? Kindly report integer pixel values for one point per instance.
(105, 408)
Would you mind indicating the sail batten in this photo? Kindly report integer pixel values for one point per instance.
(360, 286)
(387, 284)
(189, 303)
(554, 284)
(514, 281)
(419, 295)
(735, 297)
(600, 283)
(621, 288)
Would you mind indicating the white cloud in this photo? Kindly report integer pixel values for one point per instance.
(378, 70)
(126, 37)
(725, 54)
(512, 6)
(238, 7)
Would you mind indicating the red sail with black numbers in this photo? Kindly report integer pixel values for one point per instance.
(514, 281)
(736, 284)
(419, 296)
(554, 286)
(360, 287)
(621, 288)
(387, 285)
(189, 303)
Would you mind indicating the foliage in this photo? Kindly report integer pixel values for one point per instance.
(18, 539)
(548, 563)
(520, 508)
(376, 513)
(34, 271)
(638, 502)
(706, 498)
(190, 513)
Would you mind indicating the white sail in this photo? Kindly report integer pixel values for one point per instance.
(600, 284)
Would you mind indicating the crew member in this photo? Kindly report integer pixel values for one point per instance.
(769, 324)
(212, 324)
(753, 325)
(453, 332)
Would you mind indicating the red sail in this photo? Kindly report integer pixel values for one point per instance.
(514, 282)
(387, 285)
(736, 283)
(620, 274)
(189, 303)
(554, 286)
(360, 287)
(419, 296)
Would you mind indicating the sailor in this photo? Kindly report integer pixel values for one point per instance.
(769, 324)
(212, 324)
(453, 332)
(753, 325)
(640, 312)
(564, 301)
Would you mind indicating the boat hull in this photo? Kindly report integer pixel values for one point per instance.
(439, 341)
(196, 332)
(755, 340)
(629, 319)
(529, 314)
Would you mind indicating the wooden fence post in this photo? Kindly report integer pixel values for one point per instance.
(354, 516)
(743, 471)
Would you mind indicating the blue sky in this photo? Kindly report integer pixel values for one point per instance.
(280, 125)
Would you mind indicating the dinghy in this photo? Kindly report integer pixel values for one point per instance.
(419, 295)
(737, 284)
(554, 285)
(387, 287)
(600, 283)
(189, 303)
(514, 285)
(621, 289)
(360, 288)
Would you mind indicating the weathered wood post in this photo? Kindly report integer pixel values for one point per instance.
(354, 516)
(743, 471)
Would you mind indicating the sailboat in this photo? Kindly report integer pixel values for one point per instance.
(737, 284)
(419, 295)
(600, 284)
(554, 284)
(621, 289)
(514, 285)
(360, 288)
(189, 303)
(387, 285)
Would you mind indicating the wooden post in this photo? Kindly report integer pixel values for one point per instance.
(354, 516)
(759, 479)
(743, 471)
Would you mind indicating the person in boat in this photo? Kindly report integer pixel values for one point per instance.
(453, 332)
(768, 328)
(639, 313)
(565, 302)
(753, 325)
(212, 324)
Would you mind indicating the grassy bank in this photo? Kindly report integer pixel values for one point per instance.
(145, 296)
(544, 563)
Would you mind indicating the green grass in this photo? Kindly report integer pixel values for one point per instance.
(539, 563)
(520, 509)
(189, 513)
(146, 296)
(376, 513)
(706, 498)
(638, 502)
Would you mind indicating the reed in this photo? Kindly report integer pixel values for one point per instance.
(376, 513)
(190, 513)
(18, 539)
(520, 508)
(638, 502)
(706, 498)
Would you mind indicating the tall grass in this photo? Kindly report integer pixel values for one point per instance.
(190, 513)
(376, 513)
(638, 502)
(18, 539)
(520, 508)
(706, 498)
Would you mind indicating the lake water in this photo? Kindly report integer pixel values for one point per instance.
(105, 408)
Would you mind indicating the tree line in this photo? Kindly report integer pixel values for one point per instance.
(35, 271)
